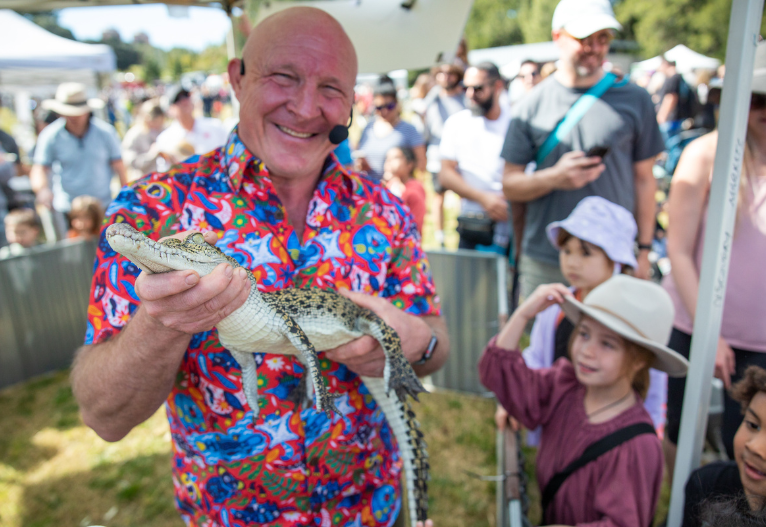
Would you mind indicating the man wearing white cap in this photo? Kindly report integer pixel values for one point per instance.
(80, 151)
(577, 109)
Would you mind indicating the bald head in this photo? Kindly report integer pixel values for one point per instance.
(307, 23)
(298, 83)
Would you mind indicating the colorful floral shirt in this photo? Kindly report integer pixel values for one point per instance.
(296, 466)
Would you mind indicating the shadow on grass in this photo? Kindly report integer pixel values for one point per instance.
(44, 402)
(135, 492)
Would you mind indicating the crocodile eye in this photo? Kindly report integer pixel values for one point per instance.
(198, 238)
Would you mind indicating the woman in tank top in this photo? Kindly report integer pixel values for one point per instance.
(743, 332)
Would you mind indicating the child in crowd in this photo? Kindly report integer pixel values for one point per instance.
(22, 230)
(399, 178)
(741, 482)
(85, 217)
(595, 242)
(594, 401)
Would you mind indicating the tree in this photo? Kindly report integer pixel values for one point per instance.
(535, 18)
(703, 25)
(493, 23)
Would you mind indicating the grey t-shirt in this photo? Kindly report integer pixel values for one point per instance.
(375, 148)
(622, 119)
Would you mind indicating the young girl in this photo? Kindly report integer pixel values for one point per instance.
(399, 177)
(85, 217)
(621, 330)
(594, 242)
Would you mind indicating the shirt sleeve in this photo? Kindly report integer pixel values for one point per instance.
(409, 285)
(518, 147)
(649, 140)
(539, 353)
(115, 148)
(44, 147)
(113, 300)
(448, 144)
(412, 137)
(628, 487)
(526, 394)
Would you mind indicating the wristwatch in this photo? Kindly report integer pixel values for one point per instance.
(429, 350)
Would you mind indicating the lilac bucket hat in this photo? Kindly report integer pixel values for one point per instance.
(602, 223)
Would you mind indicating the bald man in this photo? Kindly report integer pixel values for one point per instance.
(275, 199)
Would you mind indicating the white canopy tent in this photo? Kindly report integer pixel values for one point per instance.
(30, 55)
(509, 58)
(687, 60)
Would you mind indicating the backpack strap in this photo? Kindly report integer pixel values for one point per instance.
(577, 112)
(594, 451)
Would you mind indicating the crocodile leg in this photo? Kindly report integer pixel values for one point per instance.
(308, 355)
(398, 374)
(249, 379)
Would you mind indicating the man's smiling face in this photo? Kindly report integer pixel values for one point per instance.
(298, 85)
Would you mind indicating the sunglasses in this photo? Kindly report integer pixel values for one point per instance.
(757, 101)
(388, 106)
(602, 39)
(528, 75)
(478, 90)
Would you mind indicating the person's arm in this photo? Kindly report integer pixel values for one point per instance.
(119, 167)
(668, 104)
(646, 211)
(364, 355)
(38, 179)
(572, 171)
(420, 157)
(451, 179)
(121, 382)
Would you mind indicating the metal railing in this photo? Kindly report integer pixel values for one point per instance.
(43, 308)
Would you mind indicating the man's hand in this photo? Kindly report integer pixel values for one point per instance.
(725, 364)
(44, 197)
(644, 268)
(184, 302)
(364, 356)
(496, 206)
(575, 170)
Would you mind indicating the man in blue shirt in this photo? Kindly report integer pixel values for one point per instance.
(76, 155)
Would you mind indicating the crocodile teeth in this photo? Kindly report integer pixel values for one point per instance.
(294, 133)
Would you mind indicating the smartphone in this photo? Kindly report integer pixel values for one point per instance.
(597, 151)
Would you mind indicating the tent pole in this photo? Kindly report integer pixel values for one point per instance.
(735, 101)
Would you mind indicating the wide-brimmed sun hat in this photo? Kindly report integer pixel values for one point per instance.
(71, 100)
(602, 223)
(582, 18)
(759, 69)
(639, 311)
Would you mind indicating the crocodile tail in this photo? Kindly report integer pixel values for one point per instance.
(420, 462)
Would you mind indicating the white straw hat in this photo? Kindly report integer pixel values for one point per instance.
(582, 18)
(71, 100)
(639, 311)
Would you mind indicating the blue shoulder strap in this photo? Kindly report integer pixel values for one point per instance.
(575, 113)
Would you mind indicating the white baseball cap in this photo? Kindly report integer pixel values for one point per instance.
(582, 18)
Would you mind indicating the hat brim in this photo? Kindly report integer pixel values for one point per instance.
(70, 110)
(585, 26)
(665, 359)
(759, 81)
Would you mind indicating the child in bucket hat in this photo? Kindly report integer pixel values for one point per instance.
(621, 330)
(595, 242)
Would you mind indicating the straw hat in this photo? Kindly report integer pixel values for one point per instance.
(637, 310)
(72, 101)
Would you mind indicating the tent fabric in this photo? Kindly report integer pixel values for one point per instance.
(388, 36)
(687, 60)
(24, 44)
(509, 58)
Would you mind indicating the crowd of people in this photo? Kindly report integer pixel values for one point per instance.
(561, 182)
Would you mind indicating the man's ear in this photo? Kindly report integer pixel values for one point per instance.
(234, 69)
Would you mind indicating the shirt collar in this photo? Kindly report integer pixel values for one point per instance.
(239, 162)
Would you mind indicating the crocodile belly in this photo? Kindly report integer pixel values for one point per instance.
(326, 333)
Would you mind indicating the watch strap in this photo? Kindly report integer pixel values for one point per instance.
(428, 353)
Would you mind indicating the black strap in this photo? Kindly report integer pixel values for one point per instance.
(561, 341)
(594, 451)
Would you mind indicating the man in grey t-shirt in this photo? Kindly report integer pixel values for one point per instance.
(622, 119)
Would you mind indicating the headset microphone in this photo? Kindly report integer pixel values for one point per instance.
(339, 133)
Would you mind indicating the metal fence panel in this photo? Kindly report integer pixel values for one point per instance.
(469, 284)
(43, 308)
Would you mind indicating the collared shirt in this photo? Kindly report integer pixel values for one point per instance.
(295, 467)
(81, 166)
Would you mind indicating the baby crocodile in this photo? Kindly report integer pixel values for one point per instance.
(298, 322)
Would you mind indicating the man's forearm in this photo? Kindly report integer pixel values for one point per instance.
(646, 187)
(38, 178)
(518, 186)
(441, 352)
(122, 382)
(451, 179)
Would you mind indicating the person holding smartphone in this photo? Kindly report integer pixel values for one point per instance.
(621, 119)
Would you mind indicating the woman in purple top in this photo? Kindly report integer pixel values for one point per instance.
(620, 332)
